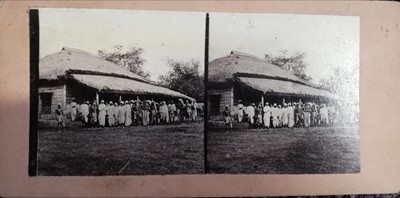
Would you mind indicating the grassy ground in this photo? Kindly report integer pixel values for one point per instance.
(169, 149)
(318, 150)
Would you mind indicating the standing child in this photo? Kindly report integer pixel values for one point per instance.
(60, 118)
(227, 119)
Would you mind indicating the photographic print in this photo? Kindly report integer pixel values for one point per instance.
(120, 92)
(283, 94)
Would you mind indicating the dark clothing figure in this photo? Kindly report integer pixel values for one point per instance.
(60, 118)
(227, 119)
(93, 114)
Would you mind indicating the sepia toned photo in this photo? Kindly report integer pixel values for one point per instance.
(122, 92)
(188, 99)
(283, 94)
(119, 92)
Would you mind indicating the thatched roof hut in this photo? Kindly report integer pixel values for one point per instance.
(241, 76)
(102, 75)
(84, 76)
(261, 75)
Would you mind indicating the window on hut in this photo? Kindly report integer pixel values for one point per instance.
(46, 102)
(214, 104)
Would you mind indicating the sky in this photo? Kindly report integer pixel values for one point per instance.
(327, 41)
(163, 35)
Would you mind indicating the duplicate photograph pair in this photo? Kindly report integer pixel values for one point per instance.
(140, 92)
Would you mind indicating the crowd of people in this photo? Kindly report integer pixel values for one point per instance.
(288, 115)
(129, 113)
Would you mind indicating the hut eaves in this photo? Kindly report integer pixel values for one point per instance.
(109, 84)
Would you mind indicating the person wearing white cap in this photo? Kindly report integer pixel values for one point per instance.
(102, 114)
(285, 115)
(74, 108)
(110, 114)
(267, 115)
(275, 116)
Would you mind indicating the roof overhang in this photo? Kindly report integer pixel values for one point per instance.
(111, 84)
(284, 88)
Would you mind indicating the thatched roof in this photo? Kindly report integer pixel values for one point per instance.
(261, 75)
(104, 76)
(109, 84)
(56, 66)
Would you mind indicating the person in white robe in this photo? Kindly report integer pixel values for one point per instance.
(128, 114)
(110, 113)
(164, 113)
(250, 111)
(85, 112)
(285, 115)
(290, 115)
(121, 114)
(102, 114)
(275, 116)
(240, 113)
(74, 108)
(267, 115)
